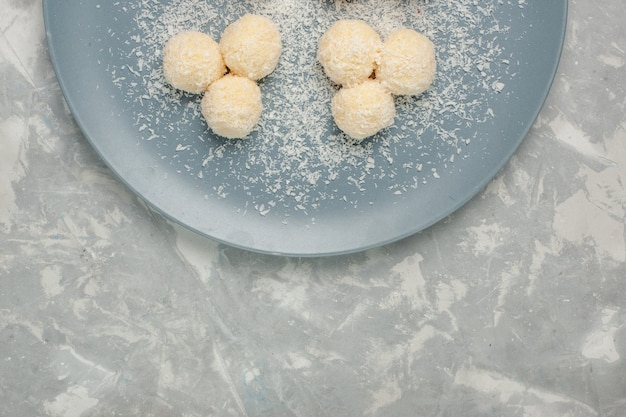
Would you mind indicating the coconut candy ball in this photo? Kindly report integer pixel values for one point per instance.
(251, 46)
(348, 51)
(232, 106)
(407, 63)
(363, 110)
(192, 61)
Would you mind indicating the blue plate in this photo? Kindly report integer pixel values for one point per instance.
(297, 186)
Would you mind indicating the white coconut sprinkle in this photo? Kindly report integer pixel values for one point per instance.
(297, 160)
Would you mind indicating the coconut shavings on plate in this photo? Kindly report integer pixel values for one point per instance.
(297, 160)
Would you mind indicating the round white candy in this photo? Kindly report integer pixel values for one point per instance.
(251, 46)
(348, 51)
(407, 63)
(191, 61)
(232, 106)
(364, 109)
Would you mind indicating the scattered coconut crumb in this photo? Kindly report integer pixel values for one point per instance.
(297, 159)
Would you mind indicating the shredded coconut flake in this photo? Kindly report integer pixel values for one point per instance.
(297, 160)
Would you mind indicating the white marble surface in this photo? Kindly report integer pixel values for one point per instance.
(513, 306)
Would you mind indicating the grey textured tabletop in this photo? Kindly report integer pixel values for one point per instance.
(512, 306)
